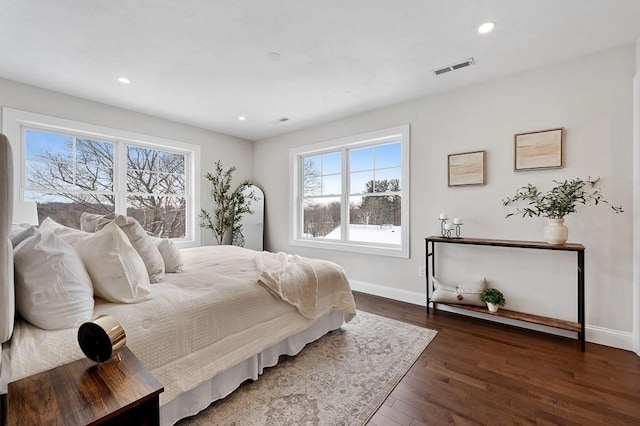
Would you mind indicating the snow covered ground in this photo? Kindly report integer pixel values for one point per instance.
(385, 234)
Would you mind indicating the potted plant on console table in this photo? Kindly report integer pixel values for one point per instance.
(493, 298)
(556, 203)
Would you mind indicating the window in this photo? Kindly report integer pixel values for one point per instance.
(67, 175)
(352, 194)
(156, 190)
(69, 168)
(321, 199)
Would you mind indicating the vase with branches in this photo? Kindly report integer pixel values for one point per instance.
(225, 221)
(556, 203)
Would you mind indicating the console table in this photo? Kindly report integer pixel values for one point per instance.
(578, 327)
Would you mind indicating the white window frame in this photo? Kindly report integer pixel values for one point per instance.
(15, 124)
(296, 238)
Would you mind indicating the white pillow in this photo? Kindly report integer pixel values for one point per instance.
(53, 288)
(170, 254)
(66, 233)
(89, 221)
(141, 241)
(463, 294)
(116, 269)
(19, 233)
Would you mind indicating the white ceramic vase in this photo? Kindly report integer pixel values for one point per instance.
(556, 232)
(492, 307)
(227, 237)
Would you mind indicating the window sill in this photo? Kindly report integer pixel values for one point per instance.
(186, 243)
(363, 248)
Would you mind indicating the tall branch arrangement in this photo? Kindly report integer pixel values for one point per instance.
(559, 201)
(230, 205)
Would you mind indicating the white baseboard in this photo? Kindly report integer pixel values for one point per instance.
(407, 296)
(599, 335)
(609, 337)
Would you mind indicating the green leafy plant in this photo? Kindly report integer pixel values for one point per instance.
(493, 296)
(560, 200)
(230, 205)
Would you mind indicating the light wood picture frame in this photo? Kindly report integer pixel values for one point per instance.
(466, 168)
(539, 150)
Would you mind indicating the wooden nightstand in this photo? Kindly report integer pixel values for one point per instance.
(83, 393)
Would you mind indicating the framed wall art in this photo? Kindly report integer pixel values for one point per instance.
(467, 168)
(539, 150)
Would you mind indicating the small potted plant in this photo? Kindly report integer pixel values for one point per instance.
(493, 298)
(557, 203)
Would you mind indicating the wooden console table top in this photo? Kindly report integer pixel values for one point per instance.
(507, 243)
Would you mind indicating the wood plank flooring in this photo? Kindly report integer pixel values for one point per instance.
(479, 372)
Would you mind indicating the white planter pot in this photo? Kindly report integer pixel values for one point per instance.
(556, 232)
(492, 307)
(227, 237)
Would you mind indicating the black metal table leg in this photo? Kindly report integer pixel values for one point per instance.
(429, 254)
(426, 272)
(581, 299)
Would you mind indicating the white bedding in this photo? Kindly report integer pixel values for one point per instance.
(199, 322)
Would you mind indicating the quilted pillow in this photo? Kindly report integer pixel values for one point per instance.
(116, 269)
(170, 254)
(463, 294)
(53, 288)
(66, 233)
(89, 221)
(141, 241)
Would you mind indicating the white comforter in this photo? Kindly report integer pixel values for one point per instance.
(198, 323)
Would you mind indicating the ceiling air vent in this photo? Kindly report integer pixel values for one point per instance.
(453, 67)
(442, 70)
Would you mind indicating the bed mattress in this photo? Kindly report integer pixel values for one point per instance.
(198, 323)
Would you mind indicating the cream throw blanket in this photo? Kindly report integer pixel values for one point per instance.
(297, 281)
(290, 278)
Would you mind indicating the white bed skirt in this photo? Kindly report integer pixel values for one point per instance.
(221, 385)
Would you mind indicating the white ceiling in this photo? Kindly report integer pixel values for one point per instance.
(205, 62)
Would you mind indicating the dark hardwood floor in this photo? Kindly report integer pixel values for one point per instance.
(480, 372)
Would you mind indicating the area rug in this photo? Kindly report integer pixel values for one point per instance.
(340, 379)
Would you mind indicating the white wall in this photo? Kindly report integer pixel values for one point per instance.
(638, 54)
(591, 97)
(214, 146)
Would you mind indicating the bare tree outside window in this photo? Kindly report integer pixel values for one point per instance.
(321, 218)
(68, 175)
(321, 180)
(310, 177)
(155, 191)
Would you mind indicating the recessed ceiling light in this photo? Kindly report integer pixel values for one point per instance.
(486, 27)
(124, 80)
(242, 118)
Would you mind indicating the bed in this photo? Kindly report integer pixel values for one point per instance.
(202, 333)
